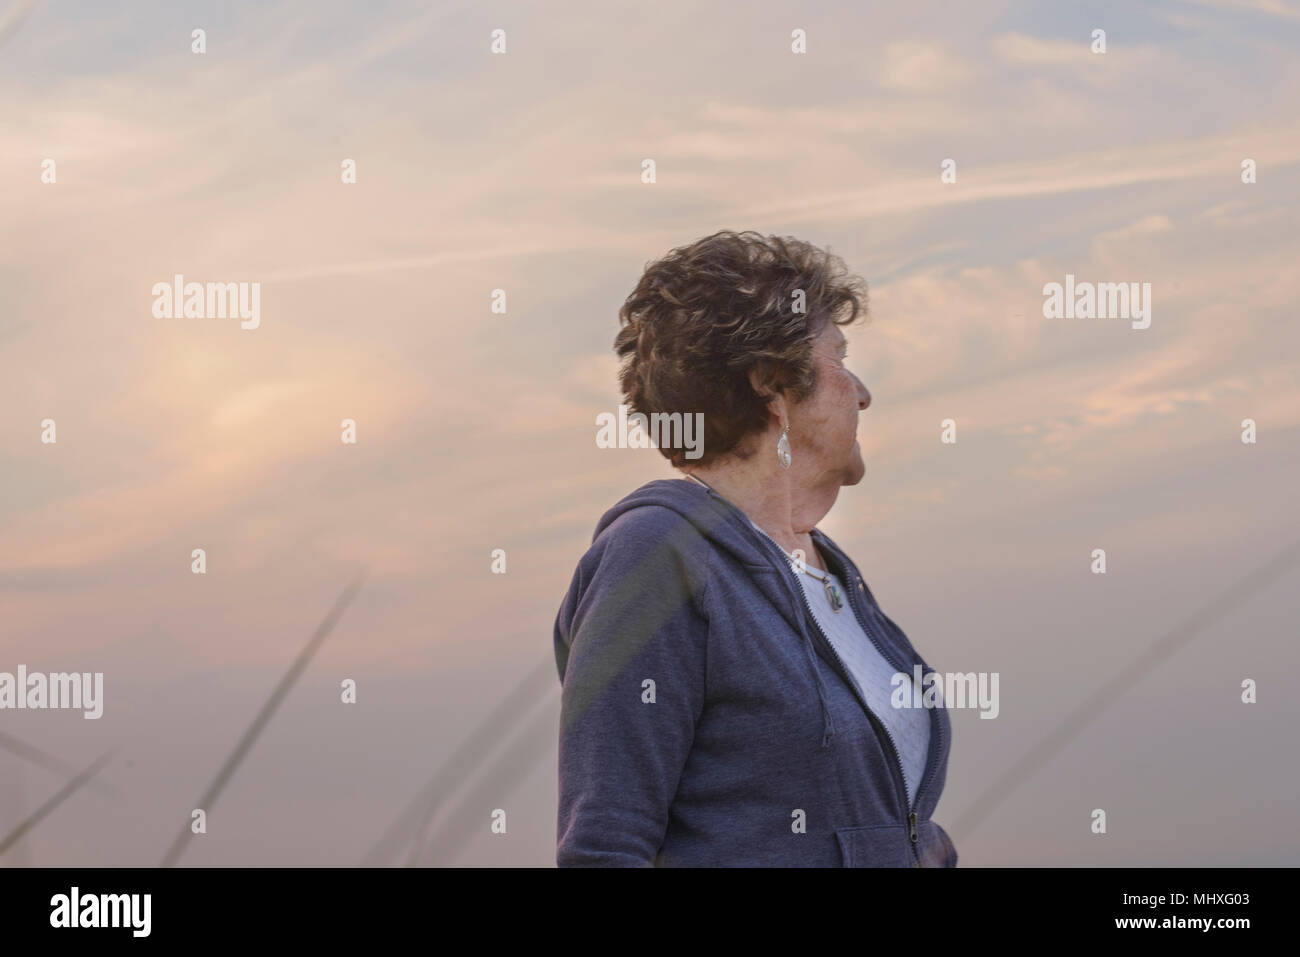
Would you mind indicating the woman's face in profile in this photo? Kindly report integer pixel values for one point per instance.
(824, 427)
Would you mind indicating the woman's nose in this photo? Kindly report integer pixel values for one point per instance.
(864, 397)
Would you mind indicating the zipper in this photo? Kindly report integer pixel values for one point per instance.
(876, 723)
(870, 631)
(936, 723)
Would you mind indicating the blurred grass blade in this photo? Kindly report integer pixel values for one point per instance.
(268, 709)
(407, 831)
(43, 759)
(1161, 650)
(12, 19)
(472, 814)
(65, 792)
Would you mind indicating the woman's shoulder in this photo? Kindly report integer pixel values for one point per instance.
(647, 558)
(663, 510)
(651, 532)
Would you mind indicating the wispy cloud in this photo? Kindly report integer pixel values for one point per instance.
(522, 173)
(1271, 8)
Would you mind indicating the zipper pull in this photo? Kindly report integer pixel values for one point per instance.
(911, 822)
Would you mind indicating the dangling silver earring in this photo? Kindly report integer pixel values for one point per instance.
(783, 448)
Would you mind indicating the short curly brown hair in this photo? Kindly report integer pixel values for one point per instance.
(706, 314)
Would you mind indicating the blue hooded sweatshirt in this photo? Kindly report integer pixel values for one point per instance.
(705, 719)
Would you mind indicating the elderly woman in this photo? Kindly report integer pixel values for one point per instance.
(729, 682)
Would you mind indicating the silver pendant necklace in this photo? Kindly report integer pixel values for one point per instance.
(833, 593)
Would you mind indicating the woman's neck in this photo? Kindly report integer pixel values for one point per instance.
(773, 500)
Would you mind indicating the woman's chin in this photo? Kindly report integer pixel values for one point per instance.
(856, 470)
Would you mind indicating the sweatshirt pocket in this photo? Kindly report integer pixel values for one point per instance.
(884, 846)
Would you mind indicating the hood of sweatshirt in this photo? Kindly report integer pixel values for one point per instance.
(713, 516)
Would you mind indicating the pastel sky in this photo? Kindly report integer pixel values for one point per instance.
(476, 430)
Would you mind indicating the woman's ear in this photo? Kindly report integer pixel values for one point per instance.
(766, 379)
(760, 377)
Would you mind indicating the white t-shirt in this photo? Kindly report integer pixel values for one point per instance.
(909, 727)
